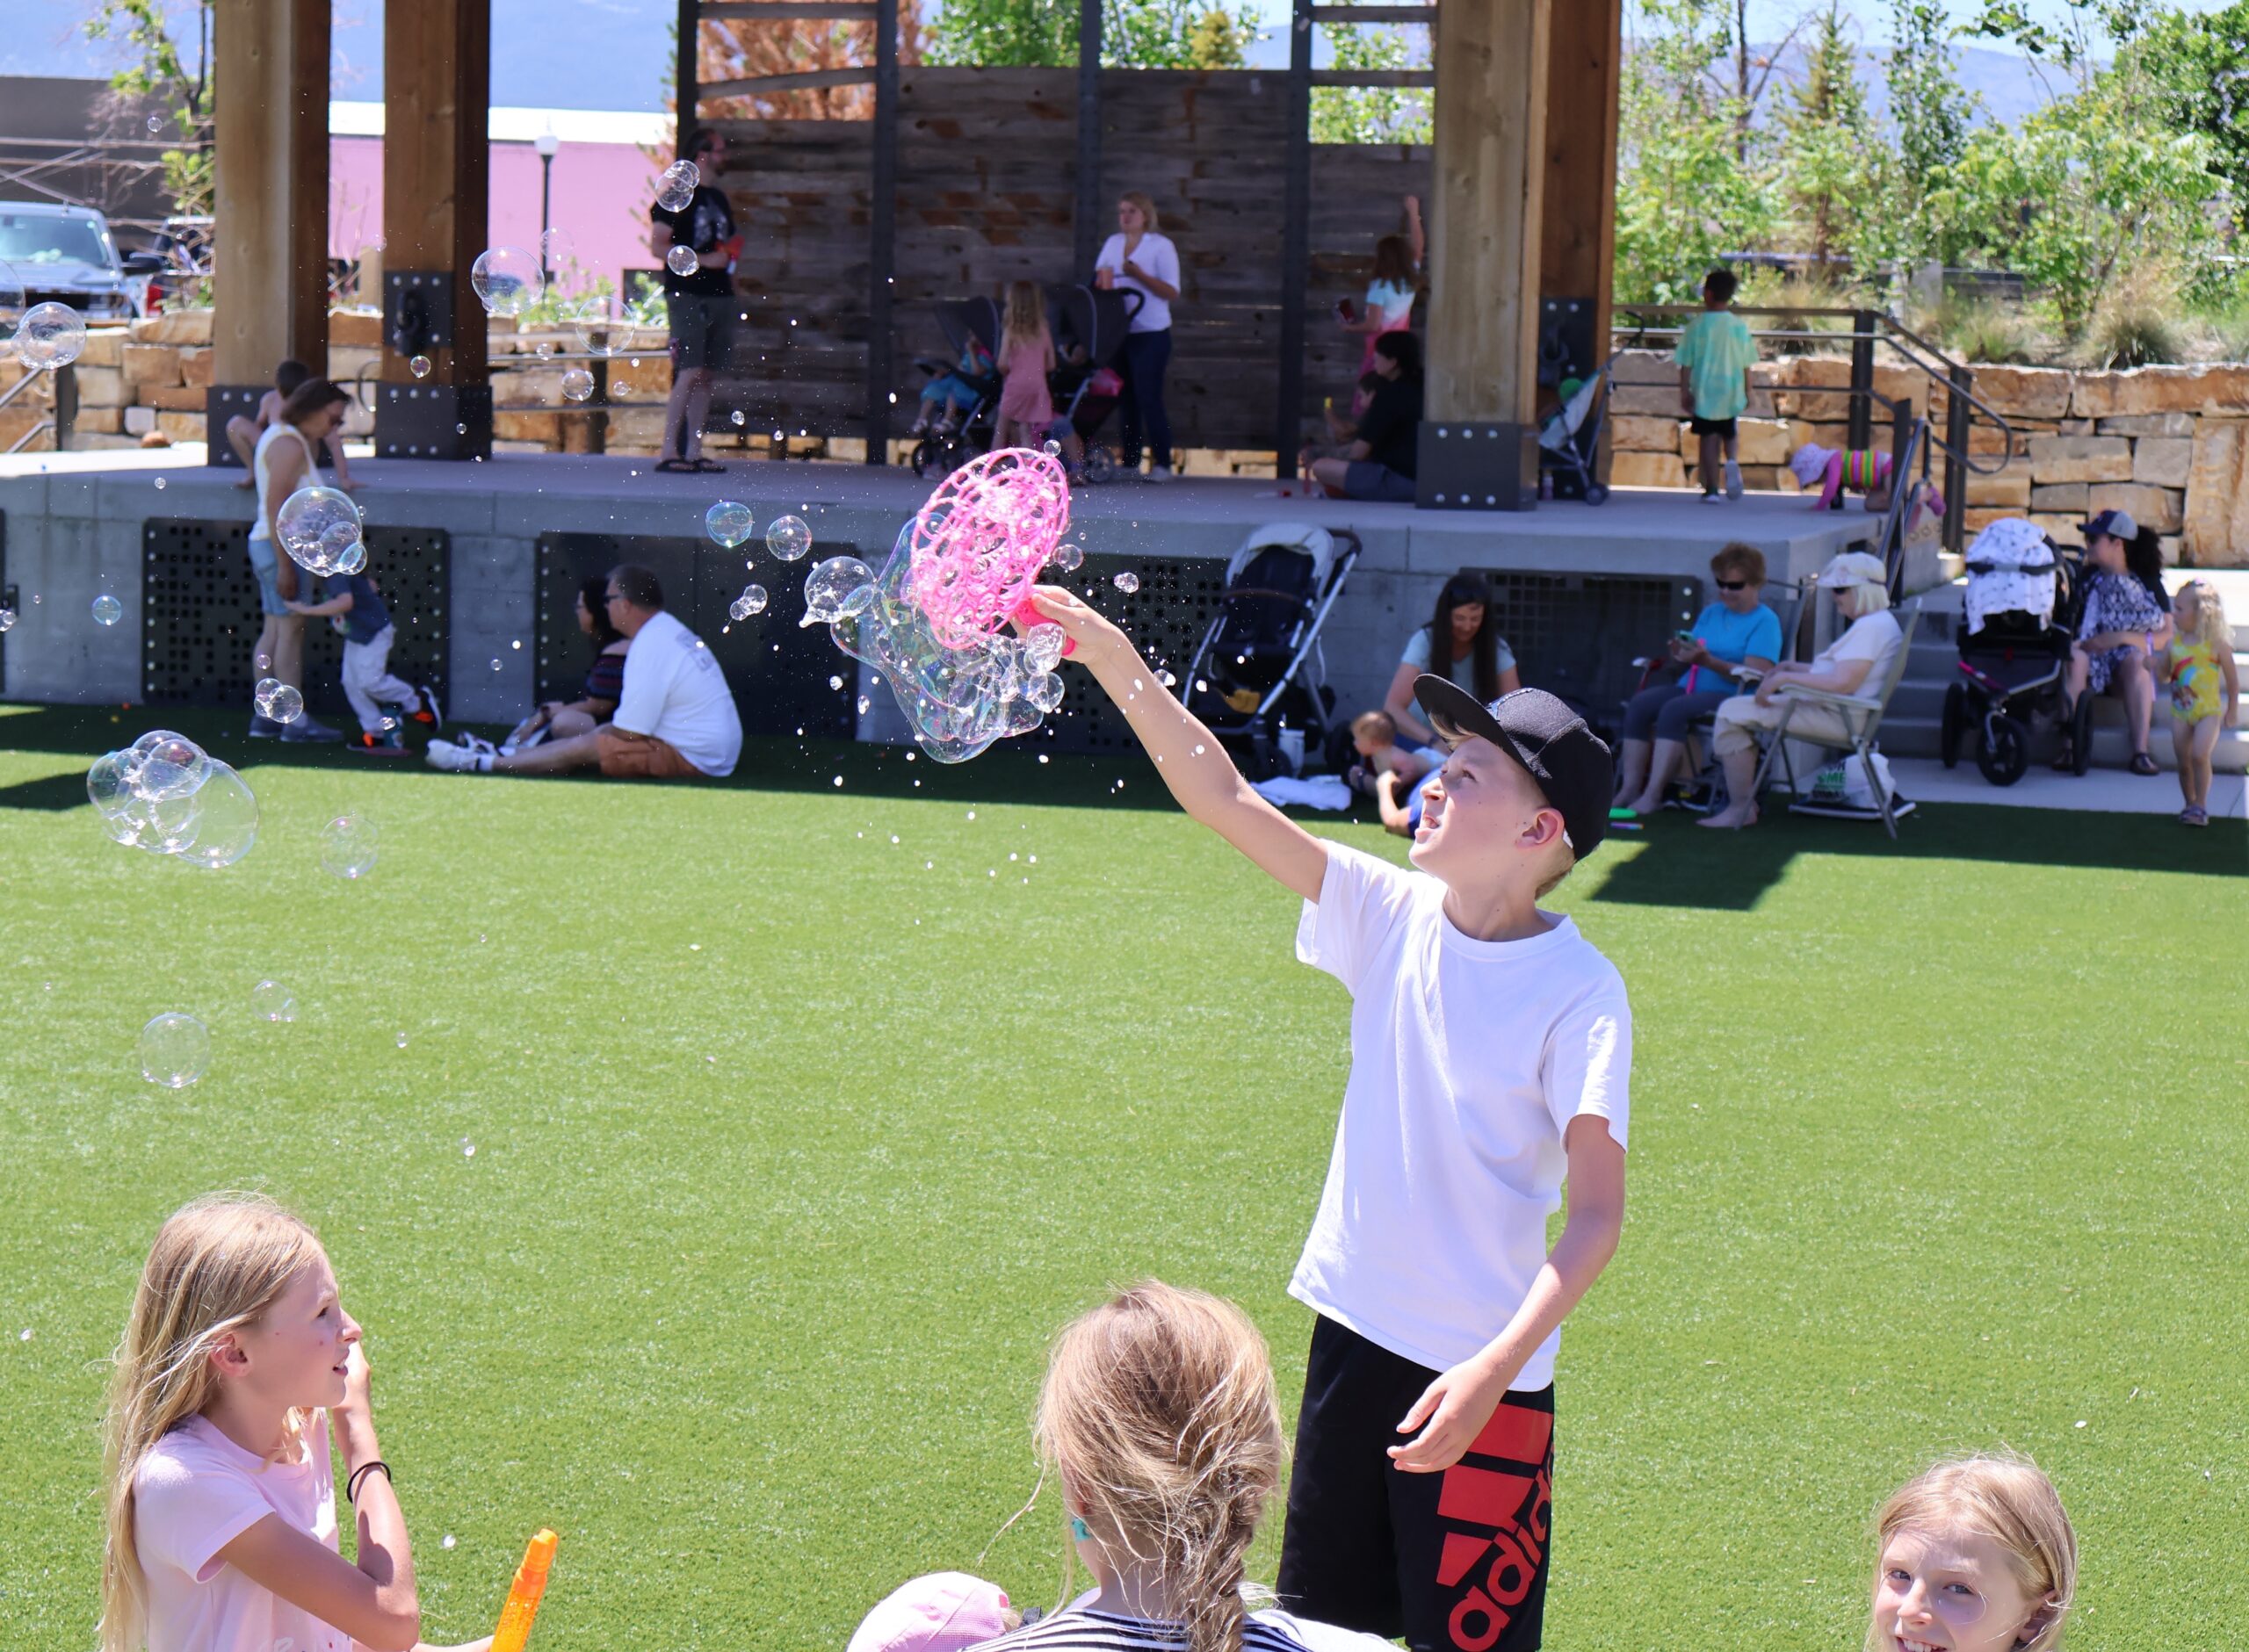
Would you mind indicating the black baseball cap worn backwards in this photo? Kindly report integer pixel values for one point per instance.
(1569, 762)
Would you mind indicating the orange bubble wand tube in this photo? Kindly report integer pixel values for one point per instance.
(523, 1596)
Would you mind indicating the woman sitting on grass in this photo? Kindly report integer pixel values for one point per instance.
(237, 1362)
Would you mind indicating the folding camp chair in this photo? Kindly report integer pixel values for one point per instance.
(1862, 718)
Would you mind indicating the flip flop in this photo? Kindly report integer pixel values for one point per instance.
(705, 467)
(2143, 764)
(674, 466)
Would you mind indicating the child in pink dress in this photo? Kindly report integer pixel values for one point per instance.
(1026, 357)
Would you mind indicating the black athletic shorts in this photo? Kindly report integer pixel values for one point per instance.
(1701, 426)
(1453, 1562)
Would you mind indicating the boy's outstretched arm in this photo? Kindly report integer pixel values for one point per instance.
(1201, 777)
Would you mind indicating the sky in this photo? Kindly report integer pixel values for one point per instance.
(611, 53)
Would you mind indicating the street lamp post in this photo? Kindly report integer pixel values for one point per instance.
(545, 143)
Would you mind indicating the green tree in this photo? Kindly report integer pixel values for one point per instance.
(1930, 117)
(1684, 193)
(1828, 149)
(163, 73)
(1373, 114)
(1134, 34)
(2199, 67)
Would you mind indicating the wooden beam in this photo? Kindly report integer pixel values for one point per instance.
(1296, 245)
(802, 80)
(1329, 16)
(269, 210)
(436, 162)
(1373, 77)
(1085, 205)
(815, 10)
(1486, 209)
(1577, 249)
(882, 236)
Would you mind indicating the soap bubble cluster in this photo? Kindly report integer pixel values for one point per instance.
(728, 524)
(174, 1050)
(349, 844)
(277, 702)
(677, 185)
(50, 335)
(752, 601)
(958, 700)
(789, 537)
(507, 279)
(165, 794)
(319, 527)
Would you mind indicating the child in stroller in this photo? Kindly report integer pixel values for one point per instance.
(2013, 654)
(1089, 325)
(968, 390)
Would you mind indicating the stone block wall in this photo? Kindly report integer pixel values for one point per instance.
(2169, 444)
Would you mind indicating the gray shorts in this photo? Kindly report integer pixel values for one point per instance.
(702, 331)
(1363, 479)
(266, 567)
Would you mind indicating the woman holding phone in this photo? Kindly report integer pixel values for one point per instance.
(1737, 631)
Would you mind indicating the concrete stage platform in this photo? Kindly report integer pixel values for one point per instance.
(75, 527)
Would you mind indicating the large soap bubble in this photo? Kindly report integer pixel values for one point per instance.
(50, 335)
(680, 260)
(174, 1050)
(277, 702)
(270, 1001)
(788, 538)
(165, 795)
(728, 522)
(319, 527)
(838, 588)
(577, 384)
(598, 331)
(107, 609)
(507, 280)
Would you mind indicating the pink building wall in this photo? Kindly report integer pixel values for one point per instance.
(602, 192)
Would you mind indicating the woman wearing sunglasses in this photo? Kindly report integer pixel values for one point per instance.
(1737, 629)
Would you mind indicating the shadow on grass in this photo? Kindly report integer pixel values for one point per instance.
(1680, 864)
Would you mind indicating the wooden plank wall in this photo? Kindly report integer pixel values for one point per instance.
(986, 181)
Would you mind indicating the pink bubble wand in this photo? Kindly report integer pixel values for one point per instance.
(977, 546)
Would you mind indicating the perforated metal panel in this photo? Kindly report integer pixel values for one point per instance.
(200, 618)
(777, 670)
(1166, 617)
(1577, 634)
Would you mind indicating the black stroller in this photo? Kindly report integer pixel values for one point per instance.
(1569, 443)
(1259, 673)
(2013, 652)
(964, 320)
(1090, 324)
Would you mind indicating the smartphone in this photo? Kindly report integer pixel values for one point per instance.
(1346, 311)
(1686, 636)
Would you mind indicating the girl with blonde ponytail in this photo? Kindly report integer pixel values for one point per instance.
(1158, 1419)
(219, 1530)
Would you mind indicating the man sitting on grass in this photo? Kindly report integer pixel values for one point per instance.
(675, 720)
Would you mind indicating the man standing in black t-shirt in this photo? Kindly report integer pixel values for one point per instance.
(1378, 461)
(701, 304)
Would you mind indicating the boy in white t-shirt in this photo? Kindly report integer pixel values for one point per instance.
(1490, 1055)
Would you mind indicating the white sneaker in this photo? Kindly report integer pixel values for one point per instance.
(1732, 479)
(459, 760)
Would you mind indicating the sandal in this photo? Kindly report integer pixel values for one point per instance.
(703, 466)
(674, 466)
(2143, 764)
(2193, 817)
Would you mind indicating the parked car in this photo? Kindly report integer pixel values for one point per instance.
(168, 271)
(66, 254)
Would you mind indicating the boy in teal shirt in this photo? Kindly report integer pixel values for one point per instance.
(1715, 355)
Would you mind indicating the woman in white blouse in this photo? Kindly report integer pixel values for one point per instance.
(1138, 259)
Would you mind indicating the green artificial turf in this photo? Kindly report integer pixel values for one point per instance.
(795, 1145)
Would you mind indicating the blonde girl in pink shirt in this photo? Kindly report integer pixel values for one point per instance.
(238, 1362)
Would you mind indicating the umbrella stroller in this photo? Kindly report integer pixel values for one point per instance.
(1258, 675)
(965, 321)
(1569, 445)
(1090, 324)
(2012, 653)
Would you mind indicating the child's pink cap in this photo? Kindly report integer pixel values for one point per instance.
(1808, 461)
(943, 1611)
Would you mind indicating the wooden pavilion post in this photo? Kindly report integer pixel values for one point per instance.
(1578, 244)
(270, 209)
(1478, 444)
(436, 188)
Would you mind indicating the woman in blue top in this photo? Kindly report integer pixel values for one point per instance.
(1737, 629)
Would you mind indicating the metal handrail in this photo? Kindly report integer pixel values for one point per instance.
(25, 440)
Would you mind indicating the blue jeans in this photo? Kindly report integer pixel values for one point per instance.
(267, 567)
(1146, 356)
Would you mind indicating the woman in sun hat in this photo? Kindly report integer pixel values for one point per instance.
(1857, 663)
